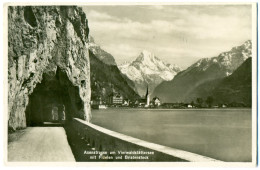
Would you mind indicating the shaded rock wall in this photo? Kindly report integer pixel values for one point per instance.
(107, 79)
(42, 39)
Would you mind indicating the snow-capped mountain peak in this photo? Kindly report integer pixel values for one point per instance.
(146, 54)
(228, 61)
(147, 68)
(145, 57)
(202, 78)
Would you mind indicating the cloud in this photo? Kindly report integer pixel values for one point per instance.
(122, 52)
(171, 32)
(162, 26)
(99, 16)
(153, 7)
(200, 26)
(158, 7)
(216, 27)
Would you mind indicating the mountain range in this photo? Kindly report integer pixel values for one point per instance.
(101, 54)
(105, 76)
(225, 78)
(148, 70)
(234, 89)
(200, 79)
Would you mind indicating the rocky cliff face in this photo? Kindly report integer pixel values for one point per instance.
(47, 45)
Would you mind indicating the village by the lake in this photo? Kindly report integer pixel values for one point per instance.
(116, 100)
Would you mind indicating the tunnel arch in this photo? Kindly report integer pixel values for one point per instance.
(55, 99)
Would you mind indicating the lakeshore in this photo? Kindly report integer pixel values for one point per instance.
(223, 134)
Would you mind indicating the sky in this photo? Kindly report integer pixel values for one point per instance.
(177, 34)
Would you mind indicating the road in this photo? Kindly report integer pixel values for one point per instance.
(41, 144)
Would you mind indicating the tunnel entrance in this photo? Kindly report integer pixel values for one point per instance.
(54, 101)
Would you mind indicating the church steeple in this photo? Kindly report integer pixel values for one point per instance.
(147, 97)
(147, 92)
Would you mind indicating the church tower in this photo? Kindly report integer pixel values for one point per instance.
(147, 97)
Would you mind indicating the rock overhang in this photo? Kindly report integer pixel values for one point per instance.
(42, 39)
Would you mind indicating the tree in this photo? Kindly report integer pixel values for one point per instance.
(209, 101)
(199, 101)
(192, 103)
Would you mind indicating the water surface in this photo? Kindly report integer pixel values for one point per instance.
(223, 134)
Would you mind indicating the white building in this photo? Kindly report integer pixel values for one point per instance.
(156, 101)
(116, 98)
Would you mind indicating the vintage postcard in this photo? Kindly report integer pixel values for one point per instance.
(170, 84)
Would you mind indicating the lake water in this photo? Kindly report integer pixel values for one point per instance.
(223, 134)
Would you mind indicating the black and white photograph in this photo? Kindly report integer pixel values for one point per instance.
(162, 83)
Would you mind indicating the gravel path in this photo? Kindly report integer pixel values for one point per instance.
(41, 144)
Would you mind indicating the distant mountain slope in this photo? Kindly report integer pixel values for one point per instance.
(148, 69)
(102, 55)
(107, 78)
(236, 88)
(182, 87)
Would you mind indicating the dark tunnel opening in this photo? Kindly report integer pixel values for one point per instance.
(54, 101)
